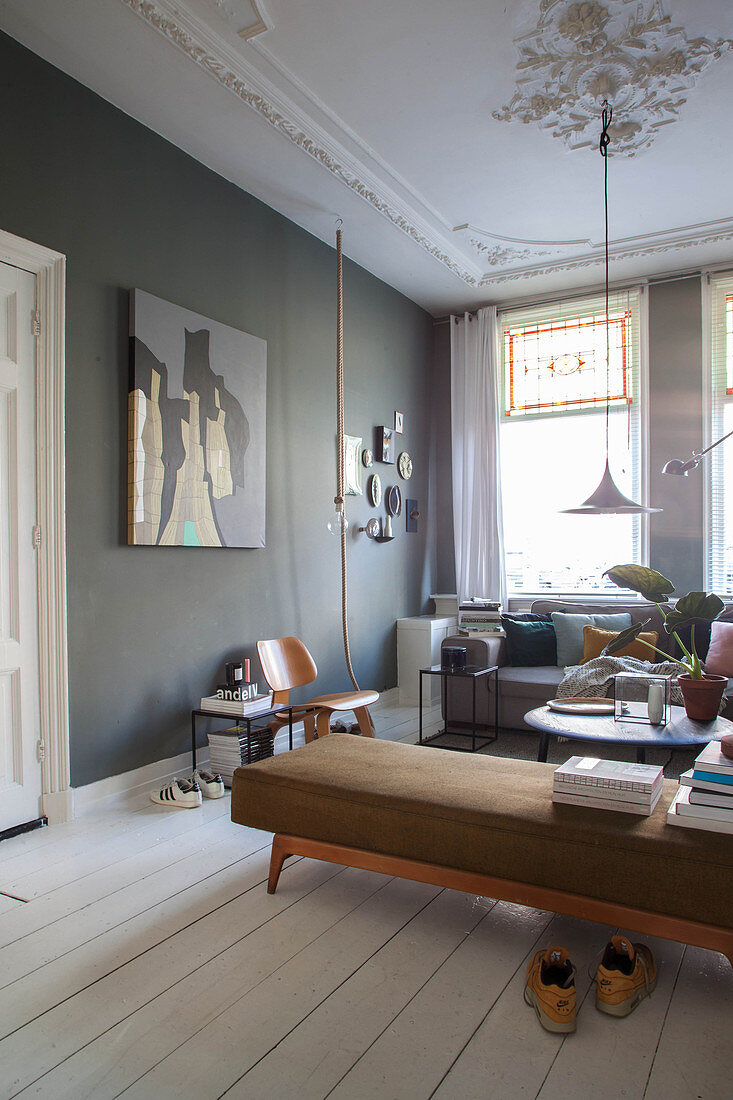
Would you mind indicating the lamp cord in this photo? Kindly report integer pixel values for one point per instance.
(606, 116)
(340, 449)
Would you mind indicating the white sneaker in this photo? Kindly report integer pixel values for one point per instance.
(181, 794)
(212, 786)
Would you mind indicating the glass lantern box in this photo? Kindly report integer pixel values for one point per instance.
(641, 697)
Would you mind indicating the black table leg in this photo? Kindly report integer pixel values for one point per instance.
(640, 754)
(542, 751)
(193, 742)
(496, 700)
(473, 715)
(419, 740)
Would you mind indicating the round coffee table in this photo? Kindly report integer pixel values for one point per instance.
(679, 733)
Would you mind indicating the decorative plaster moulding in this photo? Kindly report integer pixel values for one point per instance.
(621, 50)
(507, 259)
(211, 53)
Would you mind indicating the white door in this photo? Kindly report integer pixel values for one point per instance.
(20, 769)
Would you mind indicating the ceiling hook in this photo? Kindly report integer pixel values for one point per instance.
(339, 222)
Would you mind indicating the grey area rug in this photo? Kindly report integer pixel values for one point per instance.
(523, 745)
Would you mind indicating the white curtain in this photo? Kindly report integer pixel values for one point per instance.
(475, 403)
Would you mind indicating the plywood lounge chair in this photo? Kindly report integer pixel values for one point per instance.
(286, 664)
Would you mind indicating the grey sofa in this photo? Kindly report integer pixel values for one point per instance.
(523, 689)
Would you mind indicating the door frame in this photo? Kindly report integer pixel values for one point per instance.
(49, 268)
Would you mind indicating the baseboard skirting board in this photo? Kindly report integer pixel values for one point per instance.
(130, 784)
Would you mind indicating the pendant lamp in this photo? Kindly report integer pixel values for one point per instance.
(608, 499)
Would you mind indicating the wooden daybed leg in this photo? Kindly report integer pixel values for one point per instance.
(364, 719)
(277, 858)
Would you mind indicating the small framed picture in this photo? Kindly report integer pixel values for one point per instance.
(385, 444)
(399, 421)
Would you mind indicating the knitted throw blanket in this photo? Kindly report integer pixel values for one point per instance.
(595, 678)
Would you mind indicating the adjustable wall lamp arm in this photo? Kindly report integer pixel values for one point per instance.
(678, 466)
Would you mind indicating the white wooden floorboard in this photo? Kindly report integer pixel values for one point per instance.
(510, 1054)
(7, 904)
(72, 897)
(412, 1055)
(151, 962)
(115, 911)
(615, 1054)
(98, 850)
(314, 1057)
(216, 900)
(81, 1018)
(694, 1056)
(210, 1062)
(317, 897)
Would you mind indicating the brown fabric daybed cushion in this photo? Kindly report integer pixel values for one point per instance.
(489, 815)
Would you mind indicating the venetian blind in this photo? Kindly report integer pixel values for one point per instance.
(719, 463)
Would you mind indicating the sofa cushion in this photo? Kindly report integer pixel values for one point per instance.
(485, 814)
(569, 631)
(595, 640)
(719, 659)
(530, 642)
(537, 683)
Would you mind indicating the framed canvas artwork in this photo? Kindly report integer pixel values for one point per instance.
(196, 439)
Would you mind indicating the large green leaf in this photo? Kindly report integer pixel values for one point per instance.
(652, 585)
(695, 605)
(626, 637)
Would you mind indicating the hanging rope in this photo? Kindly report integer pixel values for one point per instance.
(339, 500)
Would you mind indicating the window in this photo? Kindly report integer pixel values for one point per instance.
(554, 394)
(718, 468)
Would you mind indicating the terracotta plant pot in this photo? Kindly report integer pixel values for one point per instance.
(702, 697)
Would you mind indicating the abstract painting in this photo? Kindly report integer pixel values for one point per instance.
(196, 439)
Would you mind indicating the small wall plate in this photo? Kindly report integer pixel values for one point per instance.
(375, 490)
(404, 466)
(367, 458)
(393, 500)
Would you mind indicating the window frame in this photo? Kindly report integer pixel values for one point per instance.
(638, 297)
(717, 292)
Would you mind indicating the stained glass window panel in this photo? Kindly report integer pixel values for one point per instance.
(556, 366)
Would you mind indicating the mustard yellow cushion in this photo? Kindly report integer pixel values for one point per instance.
(595, 640)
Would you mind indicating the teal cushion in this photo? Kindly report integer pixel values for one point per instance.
(530, 643)
(569, 632)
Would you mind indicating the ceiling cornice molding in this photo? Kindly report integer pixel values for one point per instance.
(627, 248)
(213, 54)
(243, 80)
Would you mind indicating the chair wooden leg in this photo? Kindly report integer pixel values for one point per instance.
(309, 727)
(364, 719)
(323, 722)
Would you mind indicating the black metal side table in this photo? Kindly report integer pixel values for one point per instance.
(239, 722)
(474, 673)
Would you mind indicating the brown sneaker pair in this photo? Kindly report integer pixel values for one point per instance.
(627, 973)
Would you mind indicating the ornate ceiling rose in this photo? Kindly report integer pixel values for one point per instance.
(625, 51)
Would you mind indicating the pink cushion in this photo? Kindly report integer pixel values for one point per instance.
(720, 655)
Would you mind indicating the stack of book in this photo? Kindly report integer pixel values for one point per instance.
(232, 748)
(243, 708)
(705, 796)
(608, 785)
(480, 617)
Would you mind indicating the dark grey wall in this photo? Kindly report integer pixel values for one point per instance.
(675, 429)
(149, 628)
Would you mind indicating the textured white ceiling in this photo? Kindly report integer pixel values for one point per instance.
(384, 113)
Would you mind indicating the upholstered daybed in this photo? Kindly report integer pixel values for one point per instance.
(488, 826)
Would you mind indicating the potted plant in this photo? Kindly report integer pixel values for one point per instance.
(701, 691)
